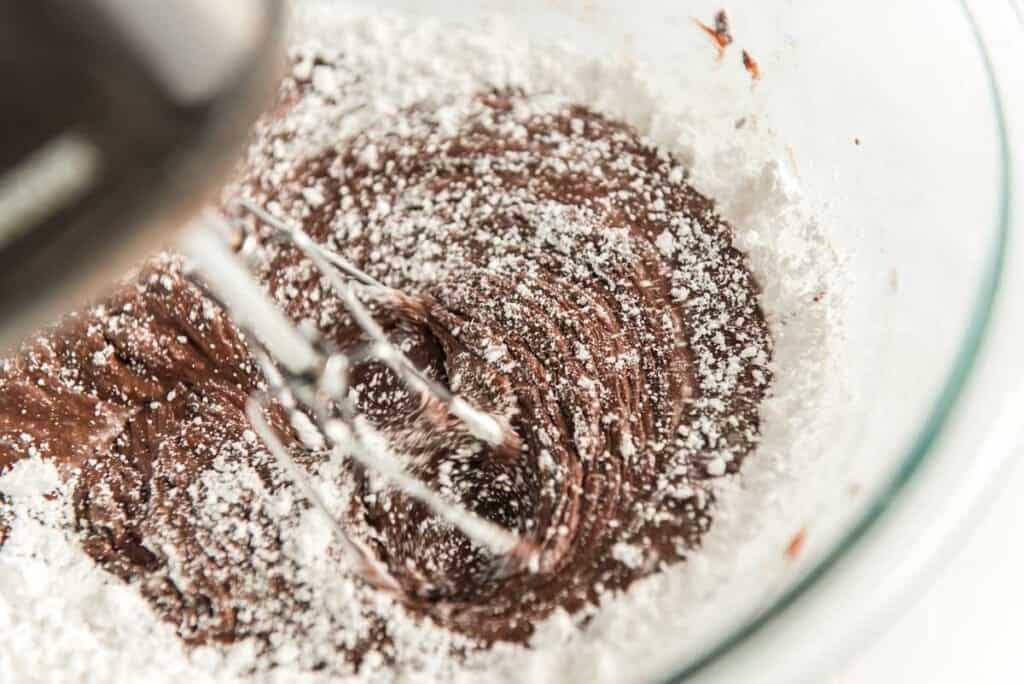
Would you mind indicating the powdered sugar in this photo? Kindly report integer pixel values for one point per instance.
(403, 64)
(64, 619)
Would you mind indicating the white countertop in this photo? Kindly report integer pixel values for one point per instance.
(967, 625)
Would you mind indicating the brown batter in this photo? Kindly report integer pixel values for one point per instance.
(565, 276)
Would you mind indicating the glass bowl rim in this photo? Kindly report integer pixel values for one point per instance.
(941, 406)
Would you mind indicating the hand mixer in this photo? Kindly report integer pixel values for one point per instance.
(115, 111)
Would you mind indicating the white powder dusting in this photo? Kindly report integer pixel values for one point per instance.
(62, 619)
(70, 621)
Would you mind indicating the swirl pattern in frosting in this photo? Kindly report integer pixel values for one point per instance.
(558, 270)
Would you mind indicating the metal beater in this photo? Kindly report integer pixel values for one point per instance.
(310, 380)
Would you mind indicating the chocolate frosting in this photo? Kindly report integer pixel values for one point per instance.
(559, 272)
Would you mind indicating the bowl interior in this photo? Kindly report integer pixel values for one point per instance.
(885, 119)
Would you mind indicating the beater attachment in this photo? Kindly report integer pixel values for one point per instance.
(311, 380)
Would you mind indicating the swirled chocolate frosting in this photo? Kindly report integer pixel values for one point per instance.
(559, 271)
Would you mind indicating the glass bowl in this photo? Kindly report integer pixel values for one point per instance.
(890, 116)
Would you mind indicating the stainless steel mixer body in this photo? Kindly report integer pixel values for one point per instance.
(119, 117)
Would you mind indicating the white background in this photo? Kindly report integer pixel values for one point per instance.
(968, 626)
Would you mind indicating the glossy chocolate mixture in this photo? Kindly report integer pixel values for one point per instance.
(562, 274)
